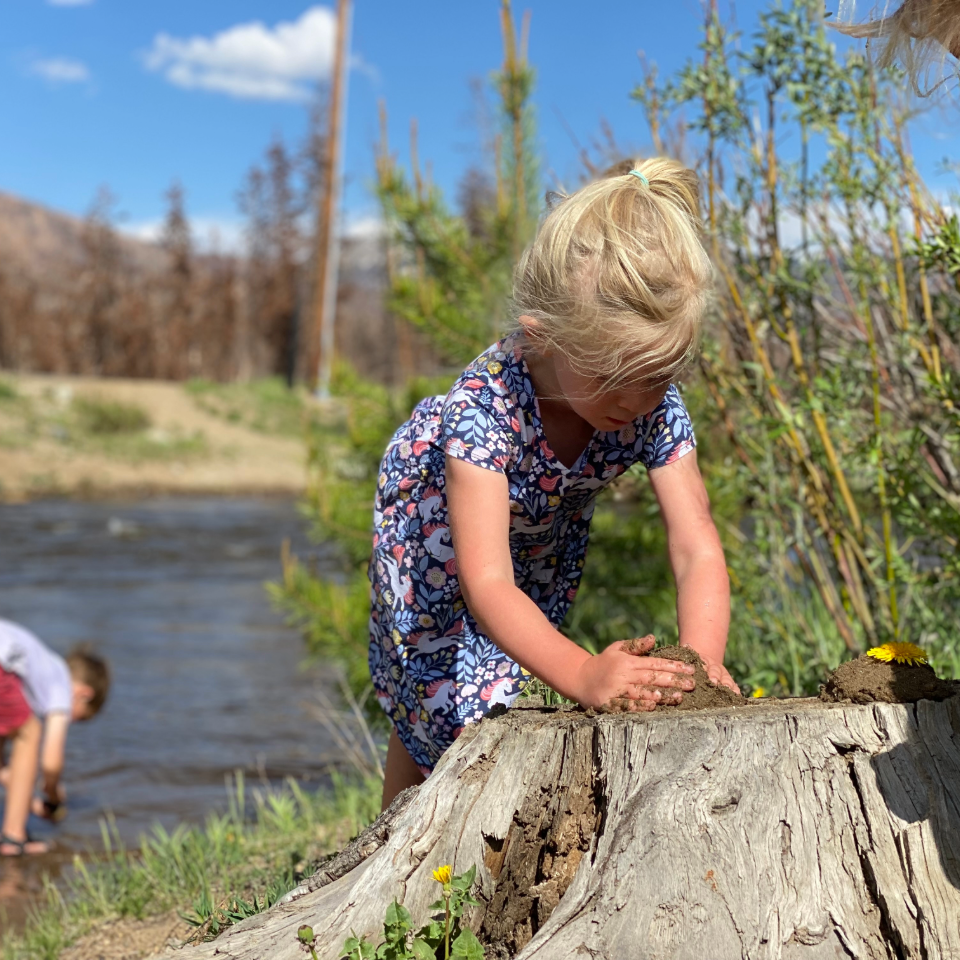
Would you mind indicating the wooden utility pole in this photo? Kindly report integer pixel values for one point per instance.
(320, 361)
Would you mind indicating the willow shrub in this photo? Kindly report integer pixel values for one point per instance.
(832, 350)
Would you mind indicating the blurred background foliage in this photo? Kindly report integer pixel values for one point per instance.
(826, 398)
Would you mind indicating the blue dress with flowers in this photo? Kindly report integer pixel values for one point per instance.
(433, 669)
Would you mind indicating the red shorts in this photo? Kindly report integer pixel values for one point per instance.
(14, 709)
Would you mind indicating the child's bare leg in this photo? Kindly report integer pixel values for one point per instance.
(21, 779)
(401, 772)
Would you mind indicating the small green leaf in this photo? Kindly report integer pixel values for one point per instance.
(423, 951)
(468, 946)
(465, 880)
(432, 931)
(396, 915)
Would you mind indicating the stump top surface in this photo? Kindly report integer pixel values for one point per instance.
(766, 708)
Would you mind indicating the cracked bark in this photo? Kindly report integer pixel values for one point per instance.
(781, 830)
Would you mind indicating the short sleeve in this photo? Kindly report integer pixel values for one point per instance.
(669, 432)
(477, 425)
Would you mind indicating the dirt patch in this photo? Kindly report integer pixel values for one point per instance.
(704, 695)
(866, 680)
(130, 939)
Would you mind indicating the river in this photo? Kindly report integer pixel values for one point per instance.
(206, 678)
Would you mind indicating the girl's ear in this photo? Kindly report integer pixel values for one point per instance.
(531, 329)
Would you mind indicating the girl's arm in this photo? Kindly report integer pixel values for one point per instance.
(699, 567)
(479, 509)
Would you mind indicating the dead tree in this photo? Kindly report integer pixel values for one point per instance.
(778, 830)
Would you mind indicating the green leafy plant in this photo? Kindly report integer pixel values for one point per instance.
(442, 938)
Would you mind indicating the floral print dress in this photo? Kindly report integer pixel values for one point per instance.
(433, 669)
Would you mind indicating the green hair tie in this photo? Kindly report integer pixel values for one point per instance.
(640, 177)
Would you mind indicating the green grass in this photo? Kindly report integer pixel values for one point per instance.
(91, 424)
(122, 431)
(267, 405)
(139, 447)
(109, 418)
(215, 875)
(7, 391)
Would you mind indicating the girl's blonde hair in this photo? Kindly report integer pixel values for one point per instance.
(919, 34)
(617, 278)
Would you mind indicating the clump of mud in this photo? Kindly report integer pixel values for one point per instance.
(866, 680)
(704, 695)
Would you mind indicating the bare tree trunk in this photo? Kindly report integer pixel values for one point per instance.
(779, 830)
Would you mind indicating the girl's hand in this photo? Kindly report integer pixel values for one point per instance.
(621, 674)
(718, 675)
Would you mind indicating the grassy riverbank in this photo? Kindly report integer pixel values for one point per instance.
(90, 437)
(194, 881)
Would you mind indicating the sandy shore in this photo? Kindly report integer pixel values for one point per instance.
(230, 458)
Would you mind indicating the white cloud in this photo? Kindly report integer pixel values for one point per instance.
(370, 227)
(209, 233)
(251, 60)
(60, 70)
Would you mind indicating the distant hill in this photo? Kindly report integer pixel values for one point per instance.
(39, 238)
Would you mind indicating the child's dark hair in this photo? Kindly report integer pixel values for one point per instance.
(92, 670)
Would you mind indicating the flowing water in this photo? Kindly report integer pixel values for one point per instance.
(206, 678)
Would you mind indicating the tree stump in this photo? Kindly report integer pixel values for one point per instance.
(777, 830)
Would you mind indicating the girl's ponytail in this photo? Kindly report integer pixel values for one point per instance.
(617, 277)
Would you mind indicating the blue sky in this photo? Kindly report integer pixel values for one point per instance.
(133, 95)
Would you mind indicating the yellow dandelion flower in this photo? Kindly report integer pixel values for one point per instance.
(443, 874)
(759, 692)
(908, 653)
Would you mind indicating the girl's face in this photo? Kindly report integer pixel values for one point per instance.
(606, 410)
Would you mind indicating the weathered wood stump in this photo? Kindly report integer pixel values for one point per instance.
(780, 829)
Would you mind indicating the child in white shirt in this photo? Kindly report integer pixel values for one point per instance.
(40, 694)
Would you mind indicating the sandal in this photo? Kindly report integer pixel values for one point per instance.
(21, 845)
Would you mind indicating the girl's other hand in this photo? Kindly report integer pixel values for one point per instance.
(718, 675)
(619, 673)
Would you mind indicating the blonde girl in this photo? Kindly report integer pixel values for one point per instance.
(485, 495)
